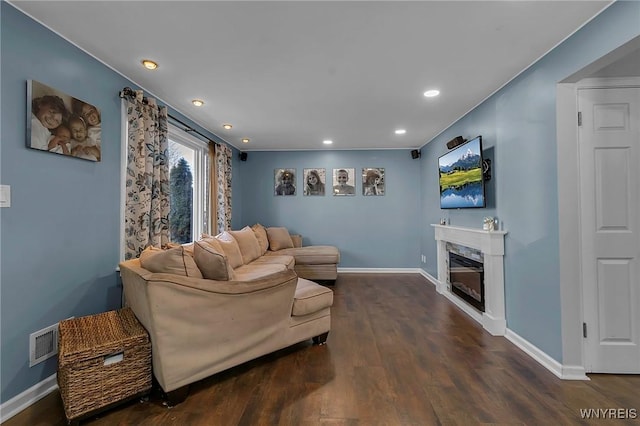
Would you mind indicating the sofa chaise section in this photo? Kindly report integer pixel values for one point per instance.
(314, 262)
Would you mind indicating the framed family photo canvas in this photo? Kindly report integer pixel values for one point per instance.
(314, 181)
(284, 181)
(373, 181)
(344, 181)
(61, 124)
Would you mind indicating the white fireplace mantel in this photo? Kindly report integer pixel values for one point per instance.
(491, 244)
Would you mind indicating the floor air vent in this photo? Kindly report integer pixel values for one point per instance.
(43, 344)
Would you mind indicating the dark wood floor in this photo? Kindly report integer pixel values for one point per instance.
(398, 354)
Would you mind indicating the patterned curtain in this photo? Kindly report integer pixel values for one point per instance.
(147, 182)
(222, 183)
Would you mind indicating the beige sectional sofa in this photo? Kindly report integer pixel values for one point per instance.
(221, 301)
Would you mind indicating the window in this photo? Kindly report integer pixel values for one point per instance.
(188, 181)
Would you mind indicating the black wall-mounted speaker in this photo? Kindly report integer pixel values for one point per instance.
(243, 156)
(486, 169)
(455, 142)
(415, 153)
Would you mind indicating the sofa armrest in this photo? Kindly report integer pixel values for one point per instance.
(297, 240)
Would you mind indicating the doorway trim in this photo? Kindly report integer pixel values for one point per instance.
(569, 226)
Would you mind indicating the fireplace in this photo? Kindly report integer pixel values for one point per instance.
(466, 277)
(486, 248)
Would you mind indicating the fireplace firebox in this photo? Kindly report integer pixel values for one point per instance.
(466, 277)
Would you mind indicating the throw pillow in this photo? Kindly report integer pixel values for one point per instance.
(176, 260)
(261, 235)
(148, 252)
(279, 238)
(212, 241)
(212, 261)
(248, 243)
(188, 249)
(231, 249)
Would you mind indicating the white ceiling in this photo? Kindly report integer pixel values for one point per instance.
(627, 66)
(290, 74)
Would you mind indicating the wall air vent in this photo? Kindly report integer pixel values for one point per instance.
(43, 344)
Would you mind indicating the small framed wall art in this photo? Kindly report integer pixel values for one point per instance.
(61, 124)
(373, 181)
(344, 181)
(284, 181)
(314, 181)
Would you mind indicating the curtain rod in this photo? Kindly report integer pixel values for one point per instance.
(189, 129)
(128, 91)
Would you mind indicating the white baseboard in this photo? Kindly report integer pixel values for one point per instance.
(561, 371)
(440, 286)
(25, 399)
(379, 270)
(574, 372)
(463, 306)
(430, 277)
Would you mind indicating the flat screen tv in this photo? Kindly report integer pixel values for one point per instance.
(460, 176)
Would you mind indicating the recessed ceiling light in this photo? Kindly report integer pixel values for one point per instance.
(400, 132)
(431, 93)
(227, 126)
(245, 140)
(327, 142)
(149, 64)
(197, 102)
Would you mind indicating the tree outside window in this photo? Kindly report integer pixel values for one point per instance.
(181, 201)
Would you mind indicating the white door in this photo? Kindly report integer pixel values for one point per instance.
(609, 144)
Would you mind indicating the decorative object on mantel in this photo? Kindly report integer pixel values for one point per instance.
(490, 223)
(62, 124)
(443, 221)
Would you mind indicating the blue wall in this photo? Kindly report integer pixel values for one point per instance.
(518, 124)
(60, 238)
(371, 232)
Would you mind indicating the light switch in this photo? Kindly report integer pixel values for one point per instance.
(5, 196)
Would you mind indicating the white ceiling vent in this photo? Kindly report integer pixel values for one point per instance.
(43, 344)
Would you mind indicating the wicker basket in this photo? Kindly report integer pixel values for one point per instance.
(103, 359)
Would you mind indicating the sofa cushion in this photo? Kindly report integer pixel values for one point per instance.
(248, 243)
(310, 297)
(212, 241)
(312, 255)
(288, 261)
(188, 248)
(231, 249)
(297, 240)
(212, 261)
(261, 235)
(175, 260)
(279, 238)
(255, 271)
(151, 250)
